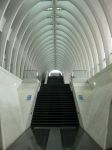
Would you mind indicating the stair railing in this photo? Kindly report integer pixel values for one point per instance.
(30, 74)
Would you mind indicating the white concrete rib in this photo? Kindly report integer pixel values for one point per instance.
(64, 34)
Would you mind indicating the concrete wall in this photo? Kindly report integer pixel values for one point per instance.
(11, 117)
(46, 78)
(27, 96)
(109, 131)
(82, 105)
(95, 106)
(15, 110)
(1, 146)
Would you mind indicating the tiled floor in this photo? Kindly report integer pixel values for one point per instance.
(55, 139)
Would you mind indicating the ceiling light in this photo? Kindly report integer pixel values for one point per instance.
(50, 8)
(94, 83)
(59, 8)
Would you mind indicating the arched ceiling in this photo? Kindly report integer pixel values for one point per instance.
(66, 35)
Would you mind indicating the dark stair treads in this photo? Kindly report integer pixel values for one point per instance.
(55, 105)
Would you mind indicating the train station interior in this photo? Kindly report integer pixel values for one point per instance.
(55, 74)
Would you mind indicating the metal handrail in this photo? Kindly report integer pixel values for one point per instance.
(30, 74)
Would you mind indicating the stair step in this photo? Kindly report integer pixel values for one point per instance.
(53, 123)
(55, 105)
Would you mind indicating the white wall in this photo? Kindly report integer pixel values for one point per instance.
(11, 117)
(95, 107)
(109, 132)
(82, 105)
(15, 110)
(46, 78)
(0, 136)
(28, 87)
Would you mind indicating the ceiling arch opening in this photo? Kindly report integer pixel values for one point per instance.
(55, 72)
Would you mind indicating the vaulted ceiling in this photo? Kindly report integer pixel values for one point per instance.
(66, 35)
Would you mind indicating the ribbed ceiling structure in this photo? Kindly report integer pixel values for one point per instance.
(55, 34)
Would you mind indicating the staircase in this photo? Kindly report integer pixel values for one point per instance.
(55, 105)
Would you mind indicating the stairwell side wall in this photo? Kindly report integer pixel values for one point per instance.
(94, 99)
(27, 96)
(17, 100)
(10, 112)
